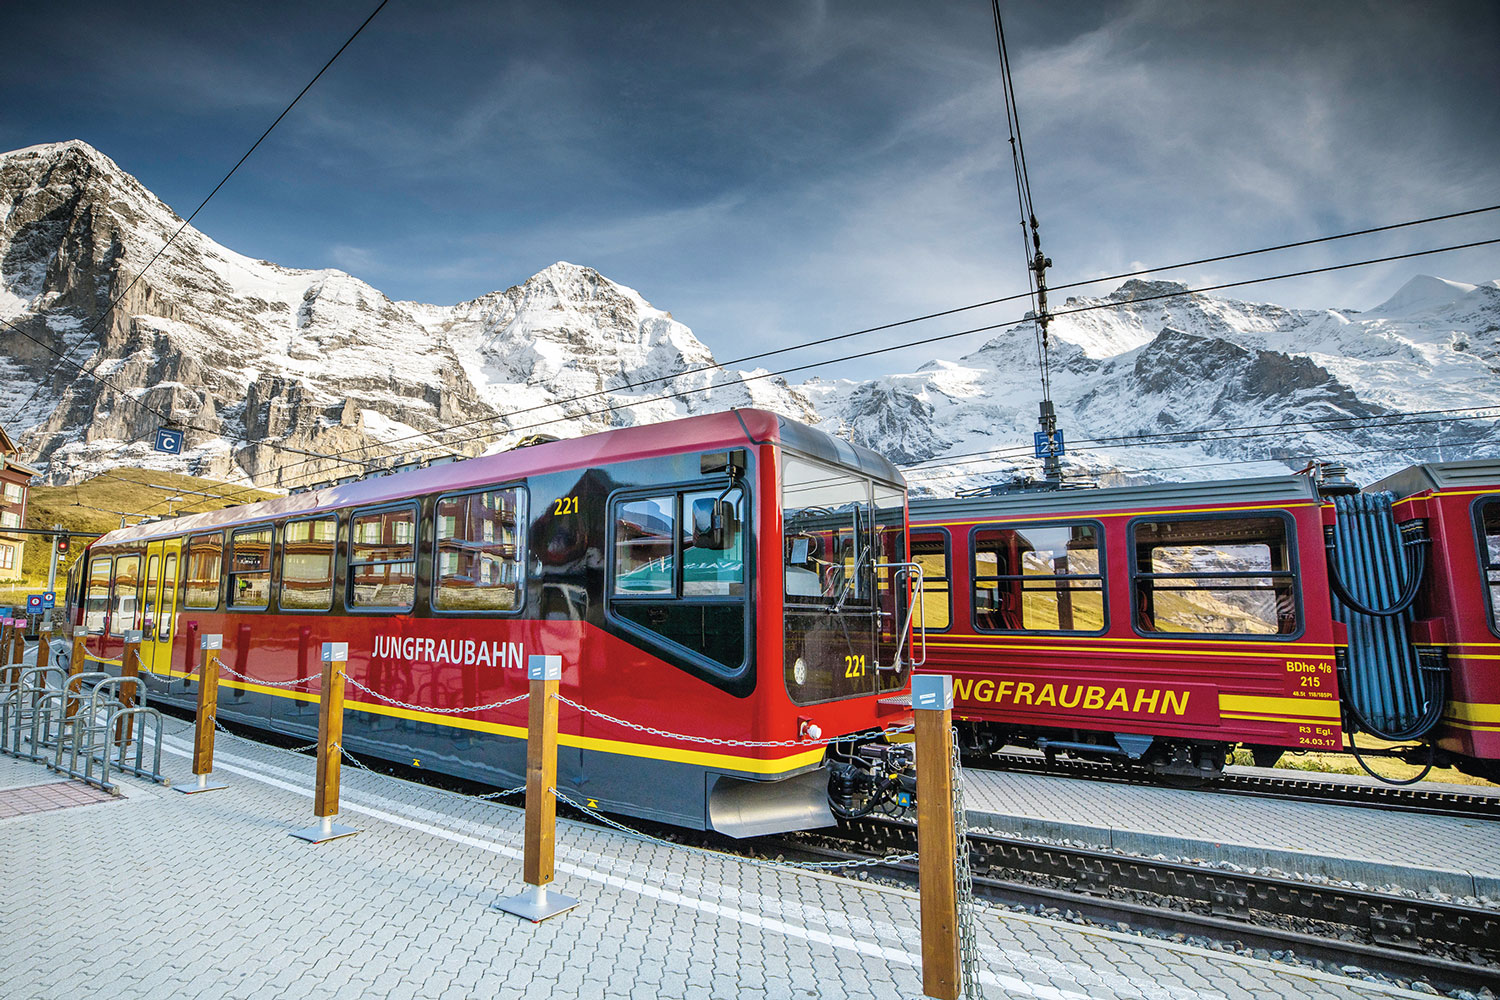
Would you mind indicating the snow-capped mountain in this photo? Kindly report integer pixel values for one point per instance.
(262, 363)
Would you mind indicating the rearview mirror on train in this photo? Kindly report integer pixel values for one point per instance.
(714, 524)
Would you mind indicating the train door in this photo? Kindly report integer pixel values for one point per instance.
(160, 600)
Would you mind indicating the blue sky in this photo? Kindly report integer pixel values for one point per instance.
(777, 171)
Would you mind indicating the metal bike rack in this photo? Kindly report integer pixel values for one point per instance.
(108, 732)
(21, 707)
(64, 707)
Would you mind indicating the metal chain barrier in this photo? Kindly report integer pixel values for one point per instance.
(968, 937)
(256, 680)
(892, 859)
(718, 742)
(441, 711)
(482, 796)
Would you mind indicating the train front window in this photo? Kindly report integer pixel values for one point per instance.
(1038, 578)
(843, 612)
(96, 601)
(1214, 576)
(1489, 554)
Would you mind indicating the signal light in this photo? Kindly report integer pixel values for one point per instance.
(62, 543)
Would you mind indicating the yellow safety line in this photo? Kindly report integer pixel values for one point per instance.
(99, 659)
(753, 765)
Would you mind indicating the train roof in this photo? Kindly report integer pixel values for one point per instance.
(1269, 490)
(1475, 473)
(727, 429)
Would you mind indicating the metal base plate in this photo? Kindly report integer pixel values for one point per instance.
(536, 904)
(203, 784)
(324, 831)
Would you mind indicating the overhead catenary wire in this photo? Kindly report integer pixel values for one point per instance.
(178, 232)
(1108, 304)
(936, 473)
(336, 457)
(1188, 435)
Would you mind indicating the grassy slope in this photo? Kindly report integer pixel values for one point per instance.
(94, 506)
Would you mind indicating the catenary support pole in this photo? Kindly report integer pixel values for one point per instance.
(932, 704)
(330, 751)
(537, 902)
(208, 708)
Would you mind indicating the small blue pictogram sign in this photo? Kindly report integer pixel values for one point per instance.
(169, 441)
(1046, 446)
(34, 604)
(49, 599)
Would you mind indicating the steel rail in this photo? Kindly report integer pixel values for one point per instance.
(1463, 805)
(1400, 929)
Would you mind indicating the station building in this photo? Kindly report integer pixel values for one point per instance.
(15, 480)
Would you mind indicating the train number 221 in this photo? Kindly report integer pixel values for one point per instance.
(854, 666)
(565, 505)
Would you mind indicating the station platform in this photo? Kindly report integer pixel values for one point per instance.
(155, 894)
(1414, 851)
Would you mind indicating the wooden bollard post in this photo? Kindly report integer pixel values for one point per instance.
(17, 640)
(130, 666)
(208, 707)
(76, 660)
(330, 756)
(932, 701)
(538, 903)
(9, 668)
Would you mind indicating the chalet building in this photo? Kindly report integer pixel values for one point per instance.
(15, 479)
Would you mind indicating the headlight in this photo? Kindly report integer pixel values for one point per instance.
(799, 671)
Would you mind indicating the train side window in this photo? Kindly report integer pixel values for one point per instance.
(307, 549)
(673, 577)
(930, 550)
(124, 597)
(1215, 576)
(1488, 516)
(1038, 578)
(250, 568)
(479, 545)
(204, 559)
(96, 601)
(383, 558)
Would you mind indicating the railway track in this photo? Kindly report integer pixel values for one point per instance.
(1453, 946)
(1467, 805)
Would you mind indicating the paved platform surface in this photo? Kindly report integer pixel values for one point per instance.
(1371, 845)
(158, 894)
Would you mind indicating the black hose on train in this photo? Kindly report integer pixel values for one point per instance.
(1414, 541)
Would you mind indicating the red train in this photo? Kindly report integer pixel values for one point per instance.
(714, 577)
(1161, 626)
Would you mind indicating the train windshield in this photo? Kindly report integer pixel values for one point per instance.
(844, 607)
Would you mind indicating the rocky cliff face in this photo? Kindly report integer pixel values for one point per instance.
(263, 363)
